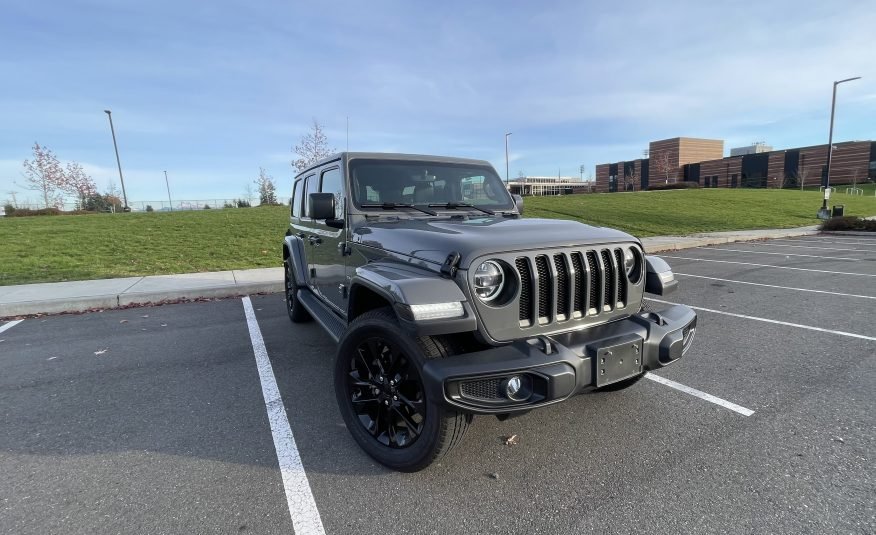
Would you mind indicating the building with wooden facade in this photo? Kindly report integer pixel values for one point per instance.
(702, 161)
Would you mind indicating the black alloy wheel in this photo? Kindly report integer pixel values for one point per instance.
(386, 393)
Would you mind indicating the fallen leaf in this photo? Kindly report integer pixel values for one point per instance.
(51, 358)
(512, 440)
(145, 316)
(123, 321)
(164, 325)
(101, 351)
(494, 475)
(839, 439)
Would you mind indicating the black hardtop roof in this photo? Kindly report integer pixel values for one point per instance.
(347, 156)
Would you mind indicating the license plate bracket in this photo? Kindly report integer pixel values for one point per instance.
(616, 359)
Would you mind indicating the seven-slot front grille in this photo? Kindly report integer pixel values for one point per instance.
(559, 287)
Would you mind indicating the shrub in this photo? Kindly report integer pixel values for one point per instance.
(673, 185)
(206, 207)
(149, 208)
(227, 205)
(849, 223)
(8, 209)
(242, 203)
(26, 212)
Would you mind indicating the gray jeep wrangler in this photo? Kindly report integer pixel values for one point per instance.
(446, 303)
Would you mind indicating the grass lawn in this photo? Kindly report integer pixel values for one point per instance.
(59, 248)
(78, 247)
(656, 213)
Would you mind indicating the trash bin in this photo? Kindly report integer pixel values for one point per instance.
(838, 210)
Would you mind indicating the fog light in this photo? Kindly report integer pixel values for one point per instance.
(517, 387)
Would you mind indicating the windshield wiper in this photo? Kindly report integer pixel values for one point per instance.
(454, 205)
(394, 205)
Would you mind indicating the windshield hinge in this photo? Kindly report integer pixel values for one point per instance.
(450, 265)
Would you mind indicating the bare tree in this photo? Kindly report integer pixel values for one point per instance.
(77, 182)
(248, 194)
(631, 176)
(312, 148)
(267, 188)
(801, 175)
(663, 165)
(44, 174)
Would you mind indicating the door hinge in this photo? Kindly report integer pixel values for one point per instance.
(342, 289)
(312, 273)
(344, 249)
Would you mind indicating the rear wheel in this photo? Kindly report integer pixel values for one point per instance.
(297, 312)
(379, 387)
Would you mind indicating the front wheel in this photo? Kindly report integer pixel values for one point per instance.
(379, 387)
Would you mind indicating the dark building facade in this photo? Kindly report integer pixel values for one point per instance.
(701, 161)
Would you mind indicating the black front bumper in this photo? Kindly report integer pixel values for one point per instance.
(558, 366)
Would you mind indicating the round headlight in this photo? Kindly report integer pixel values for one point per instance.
(629, 261)
(633, 264)
(488, 280)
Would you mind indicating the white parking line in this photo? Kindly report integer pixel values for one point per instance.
(702, 395)
(844, 239)
(777, 322)
(769, 266)
(780, 254)
(774, 286)
(771, 244)
(302, 507)
(11, 324)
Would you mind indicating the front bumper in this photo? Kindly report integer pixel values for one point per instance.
(561, 365)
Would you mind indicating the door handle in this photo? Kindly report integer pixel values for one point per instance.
(314, 240)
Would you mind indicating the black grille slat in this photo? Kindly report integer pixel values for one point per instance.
(544, 286)
(580, 281)
(484, 389)
(562, 285)
(595, 282)
(621, 277)
(522, 265)
(610, 279)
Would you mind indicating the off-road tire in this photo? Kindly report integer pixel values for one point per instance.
(442, 428)
(297, 312)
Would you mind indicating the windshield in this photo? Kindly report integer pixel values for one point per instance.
(427, 183)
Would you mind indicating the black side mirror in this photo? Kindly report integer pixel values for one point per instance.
(518, 200)
(322, 205)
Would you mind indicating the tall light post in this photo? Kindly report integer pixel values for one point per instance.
(823, 212)
(118, 161)
(167, 183)
(506, 157)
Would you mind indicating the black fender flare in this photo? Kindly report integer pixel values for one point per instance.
(295, 247)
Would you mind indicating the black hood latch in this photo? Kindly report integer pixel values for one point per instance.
(450, 265)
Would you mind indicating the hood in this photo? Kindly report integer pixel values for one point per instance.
(433, 239)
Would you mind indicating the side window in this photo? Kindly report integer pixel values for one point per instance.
(333, 182)
(297, 194)
(312, 187)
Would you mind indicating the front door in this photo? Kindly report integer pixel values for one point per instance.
(327, 262)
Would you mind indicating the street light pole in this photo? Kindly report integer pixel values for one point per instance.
(118, 161)
(506, 157)
(823, 211)
(166, 183)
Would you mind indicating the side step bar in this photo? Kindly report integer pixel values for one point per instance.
(333, 325)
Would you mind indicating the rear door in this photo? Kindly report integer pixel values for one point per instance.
(301, 224)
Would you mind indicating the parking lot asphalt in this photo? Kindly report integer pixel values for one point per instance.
(115, 422)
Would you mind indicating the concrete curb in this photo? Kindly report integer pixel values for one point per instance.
(676, 243)
(82, 304)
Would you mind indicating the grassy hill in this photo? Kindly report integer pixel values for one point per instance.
(58, 248)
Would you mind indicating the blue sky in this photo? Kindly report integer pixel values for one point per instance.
(210, 91)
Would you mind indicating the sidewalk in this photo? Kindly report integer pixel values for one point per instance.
(78, 296)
